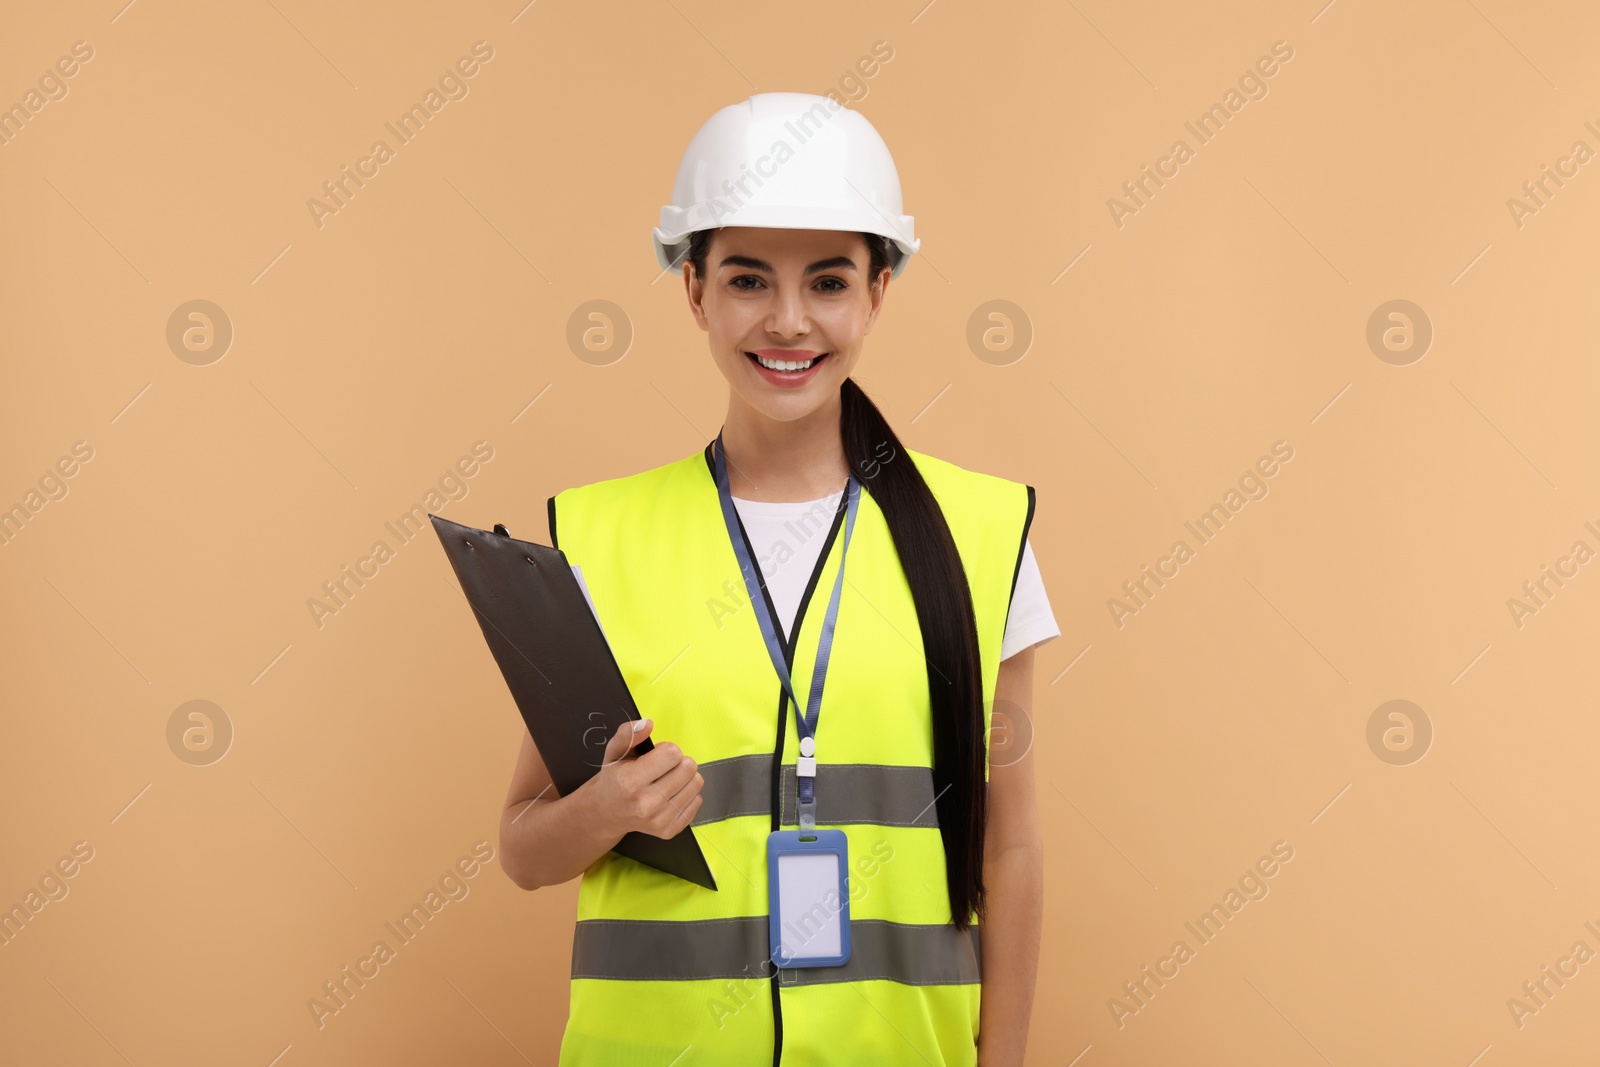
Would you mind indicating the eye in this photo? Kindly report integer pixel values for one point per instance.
(838, 285)
(735, 281)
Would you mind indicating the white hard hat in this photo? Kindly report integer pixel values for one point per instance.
(806, 163)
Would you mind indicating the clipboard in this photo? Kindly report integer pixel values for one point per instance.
(546, 638)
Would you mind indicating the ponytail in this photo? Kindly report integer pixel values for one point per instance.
(938, 582)
(939, 588)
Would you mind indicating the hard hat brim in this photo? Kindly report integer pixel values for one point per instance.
(671, 238)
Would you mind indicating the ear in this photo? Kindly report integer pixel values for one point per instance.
(694, 289)
(875, 295)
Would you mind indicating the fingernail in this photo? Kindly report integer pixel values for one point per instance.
(640, 725)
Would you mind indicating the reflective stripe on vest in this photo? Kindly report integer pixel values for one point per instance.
(847, 792)
(662, 968)
(932, 954)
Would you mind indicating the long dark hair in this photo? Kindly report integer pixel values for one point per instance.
(943, 600)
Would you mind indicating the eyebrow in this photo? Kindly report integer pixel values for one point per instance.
(837, 262)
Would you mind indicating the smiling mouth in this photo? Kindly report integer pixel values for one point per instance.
(791, 366)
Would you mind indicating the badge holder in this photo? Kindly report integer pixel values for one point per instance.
(808, 885)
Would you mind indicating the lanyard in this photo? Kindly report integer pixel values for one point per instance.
(806, 766)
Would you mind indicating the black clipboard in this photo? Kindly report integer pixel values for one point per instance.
(560, 670)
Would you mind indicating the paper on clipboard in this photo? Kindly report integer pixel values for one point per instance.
(577, 572)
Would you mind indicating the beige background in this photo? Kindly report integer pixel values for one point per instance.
(1230, 312)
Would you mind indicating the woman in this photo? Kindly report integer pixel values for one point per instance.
(703, 573)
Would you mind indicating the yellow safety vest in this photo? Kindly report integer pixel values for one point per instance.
(668, 972)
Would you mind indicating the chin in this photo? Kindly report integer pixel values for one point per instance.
(790, 408)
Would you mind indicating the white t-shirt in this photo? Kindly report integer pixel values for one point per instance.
(787, 538)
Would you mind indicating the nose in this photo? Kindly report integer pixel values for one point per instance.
(788, 317)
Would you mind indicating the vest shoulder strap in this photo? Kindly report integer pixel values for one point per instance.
(986, 513)
(613, 499)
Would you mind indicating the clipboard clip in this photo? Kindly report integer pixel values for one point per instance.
(500, 529)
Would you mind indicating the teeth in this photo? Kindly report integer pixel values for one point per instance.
(778, 364)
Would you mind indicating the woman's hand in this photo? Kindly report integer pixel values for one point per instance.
(547, 838)
(657, 793)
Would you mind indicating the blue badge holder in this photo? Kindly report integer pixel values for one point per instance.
(782, 843)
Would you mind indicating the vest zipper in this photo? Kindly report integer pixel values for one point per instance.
(777, 799)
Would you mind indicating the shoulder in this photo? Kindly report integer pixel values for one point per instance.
(623, 485)
(989, 516)
(963, 489)
(611, 498)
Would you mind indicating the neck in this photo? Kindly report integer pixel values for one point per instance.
(773, 460)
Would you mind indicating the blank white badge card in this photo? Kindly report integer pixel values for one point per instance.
(810, 903)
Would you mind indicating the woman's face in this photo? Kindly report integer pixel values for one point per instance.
(788, 295)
